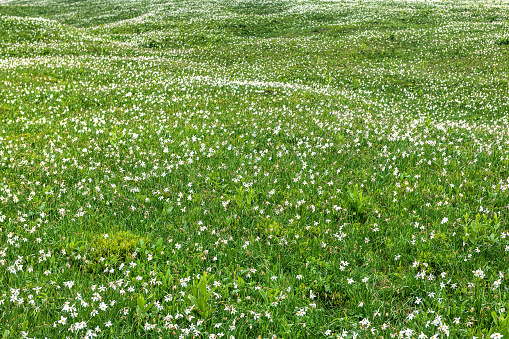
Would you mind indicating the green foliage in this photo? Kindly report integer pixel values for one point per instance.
(228, 137)
(481, 230)
(503, 42)
(115, 246)
(143, 307)
(271, 227)
(245, 197)
(200, 294)
(501, 325)
(356, 202)
(270, 295)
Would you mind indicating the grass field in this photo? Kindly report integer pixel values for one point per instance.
(254, 169)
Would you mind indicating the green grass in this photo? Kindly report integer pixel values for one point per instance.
(245, 169)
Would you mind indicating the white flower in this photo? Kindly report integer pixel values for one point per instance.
(301, 312)
(364, 322)
(69, 284)
(478, 273)
(149, 326)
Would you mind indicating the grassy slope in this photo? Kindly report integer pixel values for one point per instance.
(240, 133)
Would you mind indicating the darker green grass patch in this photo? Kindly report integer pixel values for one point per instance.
(251, 7)
(26, 10)
(503, 42)
(78, 13)
(285, 25)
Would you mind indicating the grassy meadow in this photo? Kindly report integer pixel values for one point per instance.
(254, 169)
